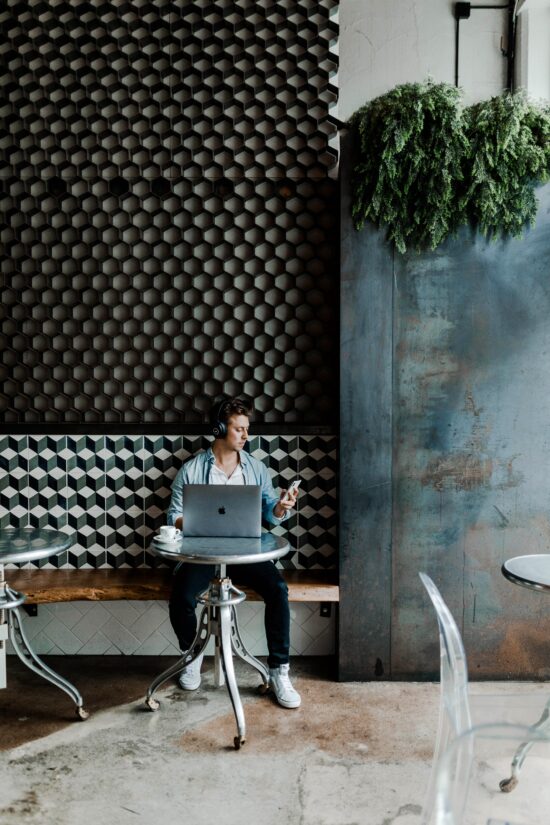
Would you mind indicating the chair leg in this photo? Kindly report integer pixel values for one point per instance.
(33, 662)
(227, 661)
(198, 646)
(3, 640)
(445, 735)
(243, 653)
(508, 785)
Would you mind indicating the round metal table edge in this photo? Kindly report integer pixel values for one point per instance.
(522, 582)
(236, 558)
(22, 556)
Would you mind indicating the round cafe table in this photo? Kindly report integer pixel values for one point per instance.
(531, 571)
(218, 617)
(17, 546)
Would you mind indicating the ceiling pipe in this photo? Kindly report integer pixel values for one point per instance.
(462, 11)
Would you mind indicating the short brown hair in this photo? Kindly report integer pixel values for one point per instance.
(223, 409)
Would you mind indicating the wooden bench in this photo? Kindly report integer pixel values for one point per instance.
(50, 586)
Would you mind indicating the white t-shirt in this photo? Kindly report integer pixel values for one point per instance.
(218, 476)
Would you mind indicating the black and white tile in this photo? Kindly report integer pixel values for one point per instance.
(111, 493)
(13, 481)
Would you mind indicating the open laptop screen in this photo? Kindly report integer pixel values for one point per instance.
(232, 511)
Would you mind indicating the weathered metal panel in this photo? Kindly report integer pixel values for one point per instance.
(472, 448)
(462, 396)
(365, 448)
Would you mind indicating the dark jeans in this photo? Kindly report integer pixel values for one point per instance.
(264, 578)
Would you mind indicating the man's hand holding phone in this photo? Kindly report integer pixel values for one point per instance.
(287, 500)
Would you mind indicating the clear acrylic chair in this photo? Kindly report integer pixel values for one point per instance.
(456, 710)
(454, 706)
(467, 778)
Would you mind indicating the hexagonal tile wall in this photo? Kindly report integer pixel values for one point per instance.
(168, 210)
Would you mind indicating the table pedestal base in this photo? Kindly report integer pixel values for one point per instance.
(11, 627)
(218, 618)
(507, 785)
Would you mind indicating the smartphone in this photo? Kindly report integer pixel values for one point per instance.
(293, 487)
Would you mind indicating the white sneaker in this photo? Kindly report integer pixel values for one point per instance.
(190, 676)
(281, 686)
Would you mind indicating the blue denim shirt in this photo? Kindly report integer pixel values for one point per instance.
(197, 471)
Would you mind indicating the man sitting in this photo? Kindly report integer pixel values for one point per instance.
(226, 463)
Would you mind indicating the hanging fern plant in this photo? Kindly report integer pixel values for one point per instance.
(509, 154)
(412, 146)
(427, 165)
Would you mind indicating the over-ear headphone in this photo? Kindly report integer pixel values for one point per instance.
(219, 425)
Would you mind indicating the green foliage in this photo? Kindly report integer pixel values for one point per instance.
(509, 154)
(427, 165)
(412, 142)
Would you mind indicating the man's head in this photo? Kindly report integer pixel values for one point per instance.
(230, 421)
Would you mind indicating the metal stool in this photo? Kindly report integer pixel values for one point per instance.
(11, 627)
(218, 618)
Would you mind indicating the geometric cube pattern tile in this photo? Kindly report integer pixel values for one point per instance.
(143, 628)
(111, 493)
(318, 521)
(168, 210)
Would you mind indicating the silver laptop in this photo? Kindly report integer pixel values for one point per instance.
(231, 511)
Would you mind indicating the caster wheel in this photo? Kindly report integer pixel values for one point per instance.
(263, 689)
(238, 741)
(152, 704)
(508, 785)
(82, 714)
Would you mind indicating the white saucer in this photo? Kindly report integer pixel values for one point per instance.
(167, 541)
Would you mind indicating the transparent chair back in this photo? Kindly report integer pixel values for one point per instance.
(468, 777)
(454, 707)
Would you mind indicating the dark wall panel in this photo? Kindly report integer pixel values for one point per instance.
(365, 446)
(168, 211)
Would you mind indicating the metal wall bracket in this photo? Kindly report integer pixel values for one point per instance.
(30, 609)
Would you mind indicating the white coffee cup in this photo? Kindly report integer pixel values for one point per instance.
(169, 533)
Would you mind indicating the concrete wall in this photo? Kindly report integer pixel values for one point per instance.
(533, 48)
(386, 42)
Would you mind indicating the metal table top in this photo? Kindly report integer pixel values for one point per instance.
(222, 550)
(21, 544)
(529, 571)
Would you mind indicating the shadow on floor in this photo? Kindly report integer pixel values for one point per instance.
(31, 708)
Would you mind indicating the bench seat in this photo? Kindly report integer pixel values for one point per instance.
(50, 586)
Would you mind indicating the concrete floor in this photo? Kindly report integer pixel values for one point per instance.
(353, 753)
